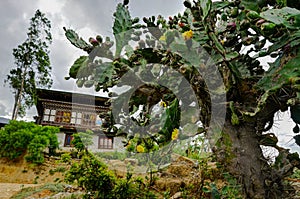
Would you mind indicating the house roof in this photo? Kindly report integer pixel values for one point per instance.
(69, 97)
(4, 120)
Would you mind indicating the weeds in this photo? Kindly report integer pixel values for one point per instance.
(26, 192)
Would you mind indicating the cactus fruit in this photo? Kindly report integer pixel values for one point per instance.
(187, 4)
(125, 2)
(252, 15)
(99, 38)
(93, 41)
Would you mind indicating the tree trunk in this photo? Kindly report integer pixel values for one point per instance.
(15, 110)
(18, 97)
(243, 158)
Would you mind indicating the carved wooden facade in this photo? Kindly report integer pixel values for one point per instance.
(73, 113)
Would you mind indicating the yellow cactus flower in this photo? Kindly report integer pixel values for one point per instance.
(175, 134)
(163, 104)
(140, 149)
(188, 34)
(162, 38)
(128, 145)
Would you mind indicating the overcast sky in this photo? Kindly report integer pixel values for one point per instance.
(88, 18)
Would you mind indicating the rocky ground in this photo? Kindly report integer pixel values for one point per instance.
(172, 178)
(9, 189)
(15, 176)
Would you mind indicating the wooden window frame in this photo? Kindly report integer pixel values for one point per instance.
(52, 113)
(67, 135)
(63, 116)
(88, 119)
(105, 142)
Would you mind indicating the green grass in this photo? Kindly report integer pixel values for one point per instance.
(26, 192)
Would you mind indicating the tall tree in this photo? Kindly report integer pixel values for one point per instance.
(236, 35)
(32, 65)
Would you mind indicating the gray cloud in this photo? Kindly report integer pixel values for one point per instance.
(88, 18)
(97, 15)
(148, 8)
(14, 19)
(3, 110)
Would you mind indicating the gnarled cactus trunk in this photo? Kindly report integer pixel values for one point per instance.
(245, 159)
(242, 156)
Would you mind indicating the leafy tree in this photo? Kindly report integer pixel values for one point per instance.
(32, 64)
(236, 35)
(18, 138)
(82, 140)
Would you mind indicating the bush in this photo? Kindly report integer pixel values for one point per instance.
(98, 182)
(82, 140)
(92, 175)
(19, 137)
(66, 158)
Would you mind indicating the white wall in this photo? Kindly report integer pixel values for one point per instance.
(117, 144)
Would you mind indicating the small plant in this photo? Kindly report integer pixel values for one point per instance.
(51, 172)
(231, 189)
(35, 181)
(296, 174)
(60, 169)
(166, 194)
(57, 180)
(66, 158)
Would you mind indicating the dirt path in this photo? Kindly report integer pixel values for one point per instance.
(9, 189)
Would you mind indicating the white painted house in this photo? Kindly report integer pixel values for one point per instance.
(73, 112)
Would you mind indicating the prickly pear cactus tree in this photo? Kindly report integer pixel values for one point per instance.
(226, 39)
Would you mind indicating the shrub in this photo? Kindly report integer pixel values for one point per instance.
(19, 137)
(93, 176)
(66, 158)
(82, 140)
(98, 182)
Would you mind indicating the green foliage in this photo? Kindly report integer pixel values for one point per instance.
(76, 41)
(93, 176)
(66, 158)
(32, 64)
(18, 138)
(122, 28)
(283, 17)
(128, 187)
(58, 169)
(296, 174)
(231, 189)
(79, 64)
(82, 140)
(98, 182)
